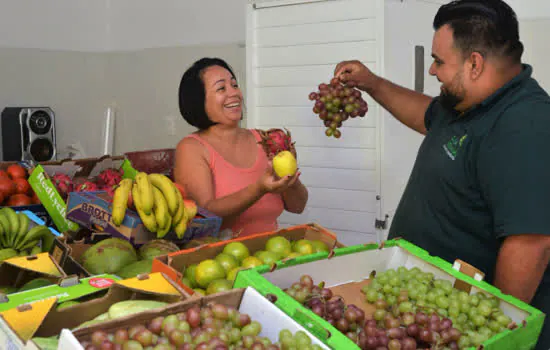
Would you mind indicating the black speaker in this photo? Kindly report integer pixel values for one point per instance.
(28, 133)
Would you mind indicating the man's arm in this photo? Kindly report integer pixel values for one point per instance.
(406, 105)
(521, 263)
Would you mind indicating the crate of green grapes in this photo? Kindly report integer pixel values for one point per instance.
(395, 296)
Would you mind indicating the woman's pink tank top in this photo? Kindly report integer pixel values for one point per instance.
(261, 216)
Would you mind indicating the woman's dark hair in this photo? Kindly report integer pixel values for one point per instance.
(489, 27)
(192, 93)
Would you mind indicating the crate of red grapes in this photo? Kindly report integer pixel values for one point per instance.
(335, 103)
(395, 296)
(236, 319)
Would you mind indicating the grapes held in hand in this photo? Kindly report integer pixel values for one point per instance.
(336, 103)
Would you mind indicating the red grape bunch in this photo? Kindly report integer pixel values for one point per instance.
(335, 103)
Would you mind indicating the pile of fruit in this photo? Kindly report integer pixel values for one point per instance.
(107, 180)
(397, 328)
(216, 275)
(15, 190)
(118, 256)
(335, 103)
(213, 326)
(157, 200)
(115, 311)
(478, 317)
(20, 237)
(413, 311)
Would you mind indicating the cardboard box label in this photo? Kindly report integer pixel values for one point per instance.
(154, 282)
(51, 200)
(18, 320)
(40, 263)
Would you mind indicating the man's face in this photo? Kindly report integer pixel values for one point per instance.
(448, 67)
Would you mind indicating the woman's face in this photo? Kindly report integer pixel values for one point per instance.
(223, 102)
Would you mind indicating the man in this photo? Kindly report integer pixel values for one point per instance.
(480, 187)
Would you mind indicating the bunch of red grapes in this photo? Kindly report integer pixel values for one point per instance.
(396, 327)
(335, 103)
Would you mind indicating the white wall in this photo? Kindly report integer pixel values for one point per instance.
(530, 9)
(136, 24)
(75, 25)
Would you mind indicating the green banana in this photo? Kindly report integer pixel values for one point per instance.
(5, 224)
(2, 235)
(36, 250)
(13, 220)
(23, 228)
(36, 233)
(7, 253)
(30, 245)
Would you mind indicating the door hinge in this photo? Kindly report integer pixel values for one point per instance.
(381, 224)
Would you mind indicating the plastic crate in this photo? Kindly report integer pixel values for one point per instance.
(351, 265)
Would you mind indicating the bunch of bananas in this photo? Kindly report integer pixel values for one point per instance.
(20, 237)
(158, 202)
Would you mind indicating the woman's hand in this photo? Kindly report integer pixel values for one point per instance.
(271, 183)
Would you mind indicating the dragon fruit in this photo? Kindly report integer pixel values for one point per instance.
(109, 177)
(63, 184)
(87, 186)
(275, 141)
(109, 189)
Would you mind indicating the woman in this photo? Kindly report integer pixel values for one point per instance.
(221, 166)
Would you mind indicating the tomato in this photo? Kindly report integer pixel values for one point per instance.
(7, 187)
(35, 199)
(19, 200)
(21, 185)
(16, 171)
(4, 175)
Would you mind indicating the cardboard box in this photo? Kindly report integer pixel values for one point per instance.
(351, 268)
(68, 289)
(42, 319)
(247, 301)
(173, 264)
(93, 210)
(15, 272)
(51, 199)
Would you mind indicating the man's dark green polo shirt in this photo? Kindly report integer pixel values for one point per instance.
(480, 177)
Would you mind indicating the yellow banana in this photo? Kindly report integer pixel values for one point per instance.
(181, 210)
(166, 186)
(145, 192)
(181, 227)
(120, 201)
(149, 221)
(164, 230)
(160, 208)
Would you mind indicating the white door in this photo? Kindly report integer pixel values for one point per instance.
(408, 24)
(292, 46)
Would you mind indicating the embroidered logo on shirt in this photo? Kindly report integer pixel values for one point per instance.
(453, 145)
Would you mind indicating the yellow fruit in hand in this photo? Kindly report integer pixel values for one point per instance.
(284, 164)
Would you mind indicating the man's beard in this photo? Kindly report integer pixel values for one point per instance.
(450, 99)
